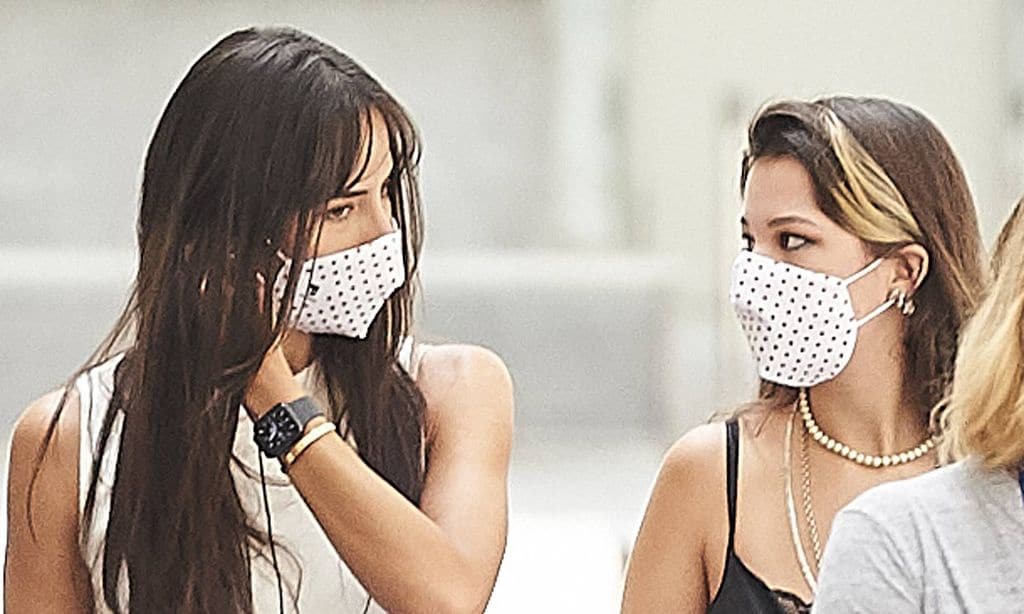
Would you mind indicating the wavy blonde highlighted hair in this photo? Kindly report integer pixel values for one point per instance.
(872, 204)
(882, 171)
(984, 414)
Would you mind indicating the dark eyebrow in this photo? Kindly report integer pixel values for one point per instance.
(782, 221)
(348, 192)
(790, 219)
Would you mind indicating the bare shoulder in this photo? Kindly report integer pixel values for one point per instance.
(44, 570)
(696, 457)
(692, 475)
(53, 465)
(465, 384)
(32, 426)
(670, 568)
(446, 368)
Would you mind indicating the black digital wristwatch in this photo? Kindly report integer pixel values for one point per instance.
(281, 427)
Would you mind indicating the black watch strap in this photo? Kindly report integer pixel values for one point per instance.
(304, 409)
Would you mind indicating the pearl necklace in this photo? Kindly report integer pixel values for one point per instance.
(868, 460)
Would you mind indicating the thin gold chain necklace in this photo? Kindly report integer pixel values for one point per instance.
(794, 527)
(805, 487)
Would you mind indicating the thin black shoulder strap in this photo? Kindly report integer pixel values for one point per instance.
(732, 461)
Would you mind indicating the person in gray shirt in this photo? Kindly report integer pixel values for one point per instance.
(951, 540)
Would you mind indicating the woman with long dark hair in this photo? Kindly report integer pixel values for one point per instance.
(279, 236)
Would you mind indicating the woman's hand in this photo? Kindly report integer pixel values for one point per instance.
(273, 383)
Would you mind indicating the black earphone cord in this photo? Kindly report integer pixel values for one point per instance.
(273, 550)
(270, 535)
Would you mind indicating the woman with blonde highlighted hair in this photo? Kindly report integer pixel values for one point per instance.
(952, 540)
(861, 261)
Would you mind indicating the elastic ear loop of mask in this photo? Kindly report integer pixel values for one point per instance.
(877, 310)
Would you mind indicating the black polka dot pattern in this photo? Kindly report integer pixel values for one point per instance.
(341, 293)
(800, 324)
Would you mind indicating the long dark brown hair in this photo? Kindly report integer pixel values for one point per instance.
(883, 171)
(266, 127)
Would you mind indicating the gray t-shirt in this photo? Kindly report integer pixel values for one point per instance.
(951, 540)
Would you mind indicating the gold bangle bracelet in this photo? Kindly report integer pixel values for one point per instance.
(307, 440)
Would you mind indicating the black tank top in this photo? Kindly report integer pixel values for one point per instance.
(741, 591)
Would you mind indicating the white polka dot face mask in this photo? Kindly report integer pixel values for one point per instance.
(800, 324)
(341, 293)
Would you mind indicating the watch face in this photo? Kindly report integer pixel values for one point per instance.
(277, 431)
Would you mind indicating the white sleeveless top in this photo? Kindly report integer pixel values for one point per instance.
(327, 583)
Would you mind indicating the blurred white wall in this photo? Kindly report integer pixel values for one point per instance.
(580, 192)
